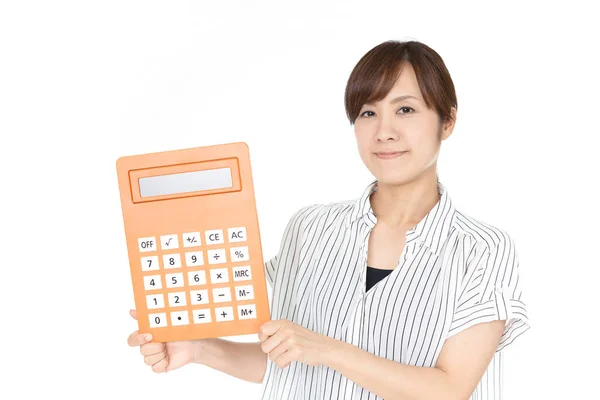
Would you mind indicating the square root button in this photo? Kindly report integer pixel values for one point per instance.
(247, 311)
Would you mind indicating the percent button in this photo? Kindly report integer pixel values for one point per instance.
(239, 254)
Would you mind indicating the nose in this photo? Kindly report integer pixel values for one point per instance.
(386, 131)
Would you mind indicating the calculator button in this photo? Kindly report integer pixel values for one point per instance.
(239, 254)
(171, 261)
(202, 316)
(244, 292)
(174, 280)
(242, 273)
(168, 242)
(179, 318)
(177, 299)
(237, 234)
(199, 296)
(247, 311)
(150, 263)
(147, 244)
(155, 301)
(222, 295)
(152, 282)
(214, 236)
(194, 258)
(219, 275)
(224, 313)
(196, 278)
(191, 239)
(217, 256)
(158, 320)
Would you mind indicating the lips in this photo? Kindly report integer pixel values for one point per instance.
(387, 155)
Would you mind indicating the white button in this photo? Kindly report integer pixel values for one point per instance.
(150, 263)
(224, 314)
(194, 258)
(158, 320)
(199, 296)
(179, 318)
(219, 275)
(196, 278)
(237, 234)
(221, 295)
(191, 239)
(217, 256)
(202, 316)
(152, 282)
(174, 280)
(244, 292)
(214, 236)
(155, 301)
(177, 299)
(239, 254)
(247, 311)
(147, 244)
(242, 273)
(168, 242)
(171, 261)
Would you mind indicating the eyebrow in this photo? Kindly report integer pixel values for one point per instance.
(397, 99)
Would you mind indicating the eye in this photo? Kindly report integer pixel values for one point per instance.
(409, 108)
(401, 108)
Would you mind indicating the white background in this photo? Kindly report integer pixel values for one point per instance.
(85, 82)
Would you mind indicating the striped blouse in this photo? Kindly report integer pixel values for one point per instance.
(454, 272)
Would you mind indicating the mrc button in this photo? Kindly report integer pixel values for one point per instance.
(243, 273)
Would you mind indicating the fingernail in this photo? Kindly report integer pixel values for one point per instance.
(148, 337)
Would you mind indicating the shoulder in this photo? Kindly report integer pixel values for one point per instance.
(482, 233)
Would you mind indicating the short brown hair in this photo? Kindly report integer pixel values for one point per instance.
(378, 70)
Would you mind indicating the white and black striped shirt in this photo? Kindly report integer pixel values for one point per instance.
(454, 272)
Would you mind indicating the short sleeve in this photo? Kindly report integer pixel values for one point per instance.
(289, 247)
(493, 292)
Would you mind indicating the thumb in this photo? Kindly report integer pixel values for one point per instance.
(133, 314)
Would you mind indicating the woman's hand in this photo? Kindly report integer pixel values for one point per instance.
(286, 341)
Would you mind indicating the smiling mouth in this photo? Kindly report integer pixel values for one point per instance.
(387, 155)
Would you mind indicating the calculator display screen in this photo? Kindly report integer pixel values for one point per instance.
(185, 182)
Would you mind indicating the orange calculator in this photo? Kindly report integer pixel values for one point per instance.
(193, 241)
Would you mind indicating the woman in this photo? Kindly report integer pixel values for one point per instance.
(395, 294)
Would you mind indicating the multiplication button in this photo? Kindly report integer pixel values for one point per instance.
(244, 292)
(239, 254)
(219, 275)
(224, 314)
(158, 320)
(146, 244)
(243, 273)
(237, 234)
(247, 311)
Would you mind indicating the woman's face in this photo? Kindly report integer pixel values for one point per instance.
(400, 125)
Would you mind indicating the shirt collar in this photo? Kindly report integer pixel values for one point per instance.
(432, 230)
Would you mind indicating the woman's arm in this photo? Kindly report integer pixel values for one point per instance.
(241, 360)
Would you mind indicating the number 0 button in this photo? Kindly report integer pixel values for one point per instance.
(158, 320)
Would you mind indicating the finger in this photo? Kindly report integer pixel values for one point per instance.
(278, 351)
(268, 345)
(133, 314)
(138, 339)
(154, 358)
(161, 366)
(149, 349)
(286, 358)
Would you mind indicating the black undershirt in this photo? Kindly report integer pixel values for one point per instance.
(374, 275)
